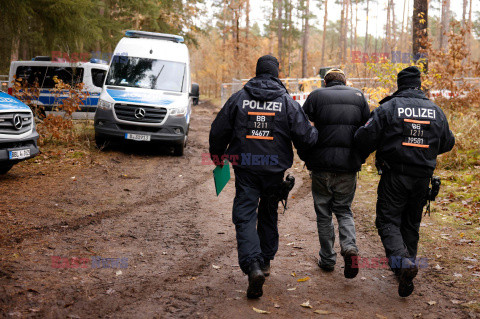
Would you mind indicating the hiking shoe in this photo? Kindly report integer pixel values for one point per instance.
(405, 279)
(325, 267)
(266, 268)
(350, 271)
(256, 278)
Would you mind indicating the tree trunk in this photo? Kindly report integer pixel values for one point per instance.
(351, 25)
(387, 29)
(402, 33)
(464, 13)
(366, 29)
(15, 47)
(419, 28)
(280, 32)
(392, 22)
(324, 35)
(356, 24)
(247, 20)
(305, 41)
(342, 31)
(445, 24)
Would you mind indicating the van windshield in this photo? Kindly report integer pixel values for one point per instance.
(146, 73)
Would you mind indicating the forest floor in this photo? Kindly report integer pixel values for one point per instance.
(160, 216)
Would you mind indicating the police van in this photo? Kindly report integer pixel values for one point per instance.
(42, 70)
(147, 95)
(18, 137)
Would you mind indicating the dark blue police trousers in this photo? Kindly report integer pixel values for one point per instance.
(400, 203)
(255, 242)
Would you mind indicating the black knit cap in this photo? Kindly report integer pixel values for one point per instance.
(409, 78)
(267, 64)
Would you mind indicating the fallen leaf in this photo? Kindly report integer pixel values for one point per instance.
(461, 235)
(431, 303)
(303, 279)
(293, 274)
(455, 301)
(260, 311)
(322, 312)
(306, 304)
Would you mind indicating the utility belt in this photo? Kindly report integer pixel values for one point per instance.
(434, 186)
(403, 169)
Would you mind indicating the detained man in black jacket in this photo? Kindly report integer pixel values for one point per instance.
(337, 112)
(408, 131)
(255, 129)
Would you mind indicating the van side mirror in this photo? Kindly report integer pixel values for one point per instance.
(195, 93)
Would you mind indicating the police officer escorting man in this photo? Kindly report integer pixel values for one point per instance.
(258, 125)
(408, 131)
(337, 112)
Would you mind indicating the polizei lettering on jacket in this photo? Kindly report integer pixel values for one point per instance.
(416, 112)
(263, 106)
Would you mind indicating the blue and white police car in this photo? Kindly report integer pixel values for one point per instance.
(18, 137)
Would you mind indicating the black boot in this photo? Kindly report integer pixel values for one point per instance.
(405, 278)
(349, 271)
(256, 278)
(266, 268)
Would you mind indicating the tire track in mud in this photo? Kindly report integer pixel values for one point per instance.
(96, 218)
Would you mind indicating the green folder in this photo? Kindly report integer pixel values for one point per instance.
(221, 176)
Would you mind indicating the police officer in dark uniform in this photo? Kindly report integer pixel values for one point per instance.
(408, 131)
(258, 125)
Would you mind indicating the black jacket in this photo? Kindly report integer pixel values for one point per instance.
(408, 131)
(259, 124)
(337, 111)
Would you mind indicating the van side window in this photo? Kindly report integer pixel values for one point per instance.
(98, 76)
(44, 76)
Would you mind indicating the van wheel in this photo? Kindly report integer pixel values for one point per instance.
(178, 150)
(5, 168)
(102, 142)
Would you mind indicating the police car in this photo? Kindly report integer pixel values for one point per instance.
(18, 137)
(147, 95)
(43, 71)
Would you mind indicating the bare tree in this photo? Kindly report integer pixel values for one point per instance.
(445, 24)
(280, 32)
(366, 28)
(419, 27)
(325, 19)
(306, 31)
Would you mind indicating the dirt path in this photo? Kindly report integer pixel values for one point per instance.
(160, 212)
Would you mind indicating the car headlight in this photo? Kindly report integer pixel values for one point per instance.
(104, 105)
(179, 111)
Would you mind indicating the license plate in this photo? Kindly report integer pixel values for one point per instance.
(20, 154)
(137, 137)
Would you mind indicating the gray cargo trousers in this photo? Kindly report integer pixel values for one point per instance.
(334, 193)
